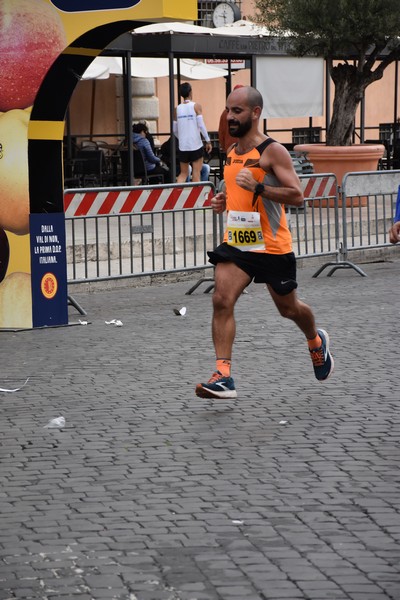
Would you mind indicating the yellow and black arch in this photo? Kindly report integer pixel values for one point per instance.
(46, 126)
(89, 27)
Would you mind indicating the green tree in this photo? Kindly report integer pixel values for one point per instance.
(364, 35)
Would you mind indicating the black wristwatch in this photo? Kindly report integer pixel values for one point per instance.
(259, 189)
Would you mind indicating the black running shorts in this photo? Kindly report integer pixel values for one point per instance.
(188, 156)
(278, 270)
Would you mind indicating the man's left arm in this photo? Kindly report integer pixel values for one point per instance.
(275, 159)
(149, 154)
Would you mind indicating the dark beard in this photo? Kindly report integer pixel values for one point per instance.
(240, 129)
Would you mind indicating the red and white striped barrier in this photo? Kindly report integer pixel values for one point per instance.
(114, 202)
(322, 186)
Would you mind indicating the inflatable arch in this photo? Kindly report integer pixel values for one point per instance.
(45, 47)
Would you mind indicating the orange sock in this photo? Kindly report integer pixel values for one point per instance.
(315, 343)
(224, 366)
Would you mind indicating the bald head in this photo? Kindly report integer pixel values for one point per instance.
(249, 95)
(243, 111)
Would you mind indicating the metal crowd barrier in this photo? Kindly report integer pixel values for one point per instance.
(134, 231)
(317, 229)
(314, 226)
(157, 229)
(367, 201)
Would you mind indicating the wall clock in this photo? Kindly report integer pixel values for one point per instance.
(225, 13)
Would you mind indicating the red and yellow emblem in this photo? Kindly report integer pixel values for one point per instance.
(49, 285)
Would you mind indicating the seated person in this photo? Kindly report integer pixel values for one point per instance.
(154, 165)
(204, 172)
(149, 136)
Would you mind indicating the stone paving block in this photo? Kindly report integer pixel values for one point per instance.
(372, 596)
(326, 595)
(68, 596)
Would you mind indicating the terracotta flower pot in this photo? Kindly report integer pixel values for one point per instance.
(341, 160)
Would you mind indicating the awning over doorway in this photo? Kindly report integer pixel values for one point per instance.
(241, 28)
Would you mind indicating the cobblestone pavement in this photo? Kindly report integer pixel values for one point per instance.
(292, 491)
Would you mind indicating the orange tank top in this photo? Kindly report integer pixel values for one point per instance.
(277, 237)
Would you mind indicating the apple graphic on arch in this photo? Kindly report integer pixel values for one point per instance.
(16, 301)
(14, 186)
(4, 254)
(31, 37)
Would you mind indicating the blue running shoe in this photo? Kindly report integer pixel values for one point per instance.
(217, 387)
(321, 358)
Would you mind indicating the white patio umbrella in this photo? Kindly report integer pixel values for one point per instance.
(194, 69)
(152, 67)
(96, 70)
(105, 66)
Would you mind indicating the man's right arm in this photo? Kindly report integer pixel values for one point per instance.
(394, 233)
(218, 203)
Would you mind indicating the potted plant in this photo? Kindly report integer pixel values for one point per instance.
(359, 39)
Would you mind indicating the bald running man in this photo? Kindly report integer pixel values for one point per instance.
(260, 181)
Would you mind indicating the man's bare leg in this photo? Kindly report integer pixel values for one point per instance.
(196, 166)
(230, 281)
(300, 313)
(294, 309)
(183, 175)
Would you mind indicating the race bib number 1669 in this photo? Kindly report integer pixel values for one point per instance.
(244, 231)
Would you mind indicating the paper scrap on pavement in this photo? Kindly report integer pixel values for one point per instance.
(16, 389)
(115, 322)
(57, 423)
(180, 312)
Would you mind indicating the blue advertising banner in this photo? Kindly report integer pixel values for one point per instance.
(48, 269)
(88, 5)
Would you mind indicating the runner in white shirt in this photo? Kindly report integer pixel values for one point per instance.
(189, 128)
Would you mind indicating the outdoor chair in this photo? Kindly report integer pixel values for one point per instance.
(139, 168)
(214, 160)
(396, 155)
(306, 135)
(89, 167)
(301, 164)
(385, 161)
